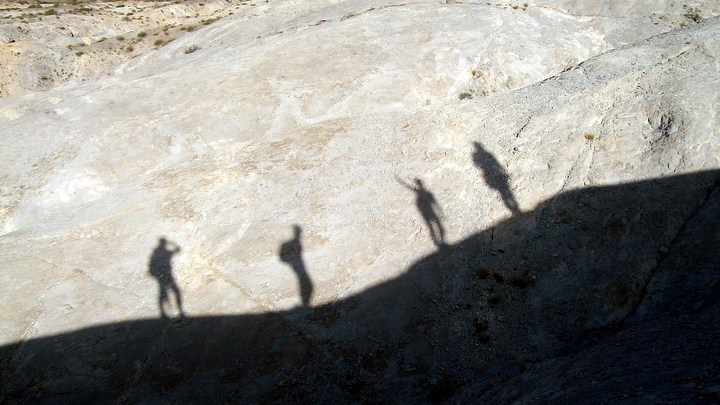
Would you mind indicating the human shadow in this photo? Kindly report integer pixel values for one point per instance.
(160, 268)
(496, 177)
(291, 253)
(428, 207)
(539, 315)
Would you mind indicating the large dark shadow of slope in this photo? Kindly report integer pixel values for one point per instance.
(602, 276)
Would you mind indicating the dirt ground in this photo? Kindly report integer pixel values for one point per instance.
(43, 44)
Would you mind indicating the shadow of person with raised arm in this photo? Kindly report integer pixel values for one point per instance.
(428, 207)
(160, 267)
(291, 253)
(495, 176)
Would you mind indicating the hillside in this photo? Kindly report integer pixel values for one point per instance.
(362, 200)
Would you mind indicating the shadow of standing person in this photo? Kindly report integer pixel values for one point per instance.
(495, 176)
(160, 267)
(291, 253)
(428, 207)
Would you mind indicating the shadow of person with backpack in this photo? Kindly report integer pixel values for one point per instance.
(160, 268)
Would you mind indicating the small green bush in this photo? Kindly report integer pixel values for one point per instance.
(692, 13)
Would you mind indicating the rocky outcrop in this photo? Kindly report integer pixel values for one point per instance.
(347, 204)
(44, 45)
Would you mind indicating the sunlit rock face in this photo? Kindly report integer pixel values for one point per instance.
(293, 155)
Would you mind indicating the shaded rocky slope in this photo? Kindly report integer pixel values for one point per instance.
(664, 350)
(559, 329)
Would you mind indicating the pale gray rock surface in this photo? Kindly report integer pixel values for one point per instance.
(569, 147)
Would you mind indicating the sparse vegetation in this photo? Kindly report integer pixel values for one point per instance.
(589, 136)
(482, 273)
(139, 23)
(465, 95)
(523, 281)
(691, 13)
(494, 299)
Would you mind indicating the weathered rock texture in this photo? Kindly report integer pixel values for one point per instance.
(368, 200)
